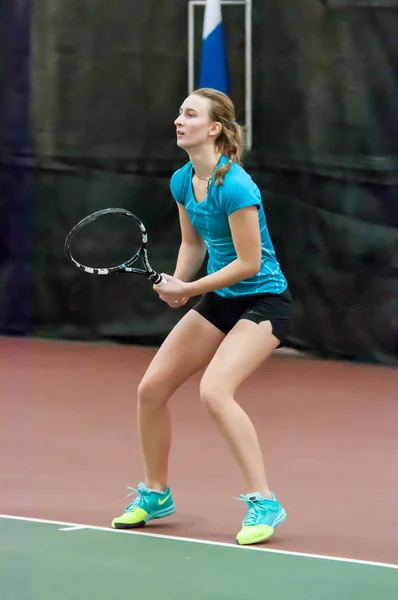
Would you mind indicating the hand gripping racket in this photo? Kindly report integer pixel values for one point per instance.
(110, 241)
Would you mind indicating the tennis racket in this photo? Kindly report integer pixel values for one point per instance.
(110, 241)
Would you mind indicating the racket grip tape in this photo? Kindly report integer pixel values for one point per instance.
(159, 280)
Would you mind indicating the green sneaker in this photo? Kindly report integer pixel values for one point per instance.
(262, 517)
(148, 505)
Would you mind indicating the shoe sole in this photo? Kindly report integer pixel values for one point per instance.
(159, 515)
(280, 519)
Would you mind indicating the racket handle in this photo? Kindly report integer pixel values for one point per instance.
(159, 280)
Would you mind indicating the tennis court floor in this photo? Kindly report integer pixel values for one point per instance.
(63, 561)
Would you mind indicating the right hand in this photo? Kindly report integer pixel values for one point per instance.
(176, 303)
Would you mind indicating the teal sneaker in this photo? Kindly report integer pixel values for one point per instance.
(148, 505)
(262, 517)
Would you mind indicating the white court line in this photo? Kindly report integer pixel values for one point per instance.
(206, 542)
(72, 528)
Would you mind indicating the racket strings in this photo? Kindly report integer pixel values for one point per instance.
(107, 241)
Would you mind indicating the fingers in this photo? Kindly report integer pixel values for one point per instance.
(178, 303)
(182, 301)
(175, 303)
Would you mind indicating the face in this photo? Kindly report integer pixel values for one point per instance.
(194, 127)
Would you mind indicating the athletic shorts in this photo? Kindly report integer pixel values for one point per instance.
(224, 313)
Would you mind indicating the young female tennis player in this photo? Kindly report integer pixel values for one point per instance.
(242, 316)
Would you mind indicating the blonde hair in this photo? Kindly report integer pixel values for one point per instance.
(230, 140)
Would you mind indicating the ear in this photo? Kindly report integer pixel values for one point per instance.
(215, 129)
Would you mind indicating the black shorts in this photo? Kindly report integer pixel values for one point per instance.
(224, 313)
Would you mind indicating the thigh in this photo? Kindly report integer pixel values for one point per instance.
(243, 350)
(188, 348)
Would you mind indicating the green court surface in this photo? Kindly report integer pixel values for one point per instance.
(47, 560)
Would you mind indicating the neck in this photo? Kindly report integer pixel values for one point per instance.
(204, 161)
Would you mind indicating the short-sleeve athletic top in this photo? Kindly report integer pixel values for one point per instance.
(210, 219)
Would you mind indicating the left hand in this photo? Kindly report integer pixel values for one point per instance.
(173, 292)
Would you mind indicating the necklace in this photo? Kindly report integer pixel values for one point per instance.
(212, 175)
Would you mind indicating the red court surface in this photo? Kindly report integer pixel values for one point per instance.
(329, 430)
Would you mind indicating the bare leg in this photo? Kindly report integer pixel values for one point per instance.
(187, 349)
(241, 352)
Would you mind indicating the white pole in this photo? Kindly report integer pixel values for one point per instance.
(248, 73)
(191, 47)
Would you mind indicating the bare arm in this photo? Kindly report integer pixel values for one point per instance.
(246, 236)
(192, 250)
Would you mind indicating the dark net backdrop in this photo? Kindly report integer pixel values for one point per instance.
(89, 91)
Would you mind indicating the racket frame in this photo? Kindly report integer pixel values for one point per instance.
(126, 267)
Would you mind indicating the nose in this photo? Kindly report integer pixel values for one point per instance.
(178, 121)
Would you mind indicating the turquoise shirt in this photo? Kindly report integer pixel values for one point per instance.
(210, 219)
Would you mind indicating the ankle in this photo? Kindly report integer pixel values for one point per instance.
(156, 487)
(266, 493)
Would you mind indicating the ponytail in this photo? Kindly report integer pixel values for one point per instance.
(231, 143)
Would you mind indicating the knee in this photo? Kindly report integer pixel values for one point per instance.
(213, 395)
(152, 392)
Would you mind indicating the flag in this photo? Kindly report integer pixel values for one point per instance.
(213, 69)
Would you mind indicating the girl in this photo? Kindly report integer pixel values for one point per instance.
(243, 314)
